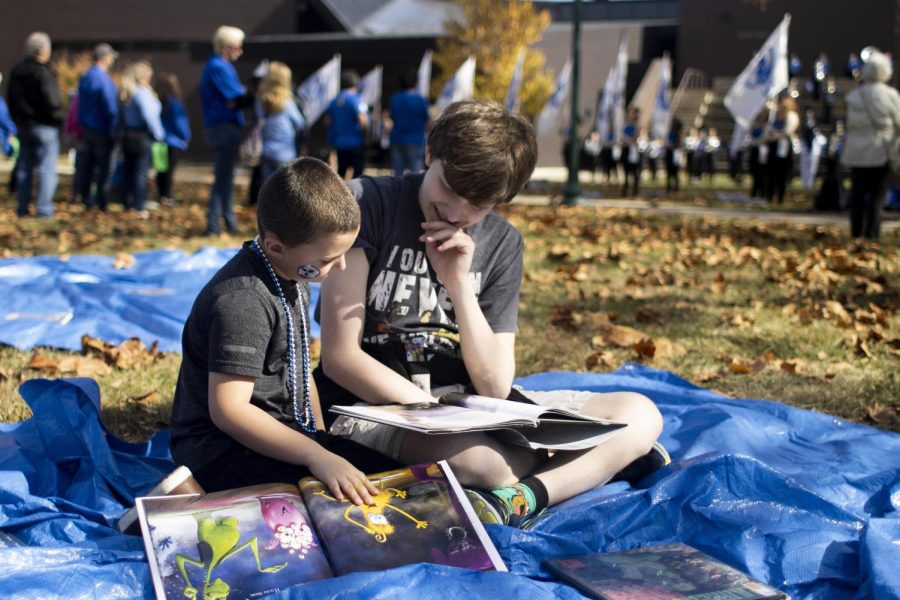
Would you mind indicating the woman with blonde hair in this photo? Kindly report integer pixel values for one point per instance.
(141, 124)
(280, 118)
(873, 127)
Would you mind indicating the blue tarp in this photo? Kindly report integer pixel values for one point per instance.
(52, 302)
(801, 500)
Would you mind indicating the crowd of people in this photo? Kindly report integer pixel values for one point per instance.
(130, 124)
(122, 128)
(114, 126)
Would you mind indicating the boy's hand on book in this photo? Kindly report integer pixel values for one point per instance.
(342, 478)
(449, 250)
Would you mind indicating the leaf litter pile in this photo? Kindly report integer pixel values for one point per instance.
(800, 314)
(794, 313)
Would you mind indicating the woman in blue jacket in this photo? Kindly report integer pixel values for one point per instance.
(142, 125)
(178, 132)
(280, 118)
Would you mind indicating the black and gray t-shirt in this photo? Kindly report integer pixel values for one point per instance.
(410, 324)
(236, 326)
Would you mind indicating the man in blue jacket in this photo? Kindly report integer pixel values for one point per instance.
(347, 120)
(222, 96)
(36, 108)
(98, 111)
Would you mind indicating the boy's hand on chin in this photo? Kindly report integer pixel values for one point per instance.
(449, 249)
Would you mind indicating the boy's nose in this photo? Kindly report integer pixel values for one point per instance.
(341, 263)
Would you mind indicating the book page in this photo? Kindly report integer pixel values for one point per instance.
(240, 544)
(416, 518)
(432, 417)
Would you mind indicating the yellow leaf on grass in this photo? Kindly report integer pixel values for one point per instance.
(623, 337)
(84, 366)
(40, 362)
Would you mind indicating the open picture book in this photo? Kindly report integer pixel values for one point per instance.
(658, 572)
(516, 423)
(251, 541)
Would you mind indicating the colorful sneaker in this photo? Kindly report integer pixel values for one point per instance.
(657, 458)
(487, 507)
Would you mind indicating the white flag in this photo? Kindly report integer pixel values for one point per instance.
(423, 82)
(460, 87)
(515, 84)
(618, 88)
(763, 78)
(604, 106)
(550, 112)
(660, 126)
(319, 89)
(369, 88)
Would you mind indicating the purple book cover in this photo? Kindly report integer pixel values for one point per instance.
(421, 515)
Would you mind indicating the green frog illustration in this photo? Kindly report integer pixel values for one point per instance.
(217, 541)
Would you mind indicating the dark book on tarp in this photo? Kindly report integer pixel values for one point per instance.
(658, 572)
(252, 541)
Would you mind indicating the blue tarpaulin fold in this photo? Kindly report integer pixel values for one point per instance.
(801, 500)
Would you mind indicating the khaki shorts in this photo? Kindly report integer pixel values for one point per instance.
(389, 440)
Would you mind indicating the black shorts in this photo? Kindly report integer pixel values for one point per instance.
(240, 466)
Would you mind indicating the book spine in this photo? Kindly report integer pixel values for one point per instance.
(471, 517)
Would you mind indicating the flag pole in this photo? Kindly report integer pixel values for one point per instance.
(572, 191)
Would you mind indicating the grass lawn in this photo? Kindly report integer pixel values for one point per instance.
(800, 314)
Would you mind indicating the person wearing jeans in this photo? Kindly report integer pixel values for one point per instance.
(39, 145)
(221, 99)
(36, 109)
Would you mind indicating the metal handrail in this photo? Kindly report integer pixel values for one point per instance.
(691, 79)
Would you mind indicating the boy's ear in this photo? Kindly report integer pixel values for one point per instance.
(272, 245)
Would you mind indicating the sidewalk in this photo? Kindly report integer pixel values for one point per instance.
(202, 173)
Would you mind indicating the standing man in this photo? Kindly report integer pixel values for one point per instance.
(98, 112)
(347, 120)
(409, 115)
(36, 108)
(221, 99)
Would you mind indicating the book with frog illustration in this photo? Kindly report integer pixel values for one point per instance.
(252, 541)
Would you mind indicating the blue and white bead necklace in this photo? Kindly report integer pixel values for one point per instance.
(305, 418)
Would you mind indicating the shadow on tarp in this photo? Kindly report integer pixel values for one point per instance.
(53, 302)
(801, 500)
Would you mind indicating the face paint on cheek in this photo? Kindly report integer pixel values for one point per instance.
(308, 272)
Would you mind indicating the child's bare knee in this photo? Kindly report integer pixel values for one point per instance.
(482, 468)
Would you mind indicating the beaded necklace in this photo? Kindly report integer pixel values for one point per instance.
(305, 418)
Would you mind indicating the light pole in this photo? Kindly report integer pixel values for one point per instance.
(572, 191)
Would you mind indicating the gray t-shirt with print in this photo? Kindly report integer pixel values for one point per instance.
(410, 324)
(236, 326)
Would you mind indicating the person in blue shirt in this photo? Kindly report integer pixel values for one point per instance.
(142, 125)
(347, 120)
(7, 127)
(280, 118)
(410, 118)
(178, 132)
(97, 116)
(222, 96)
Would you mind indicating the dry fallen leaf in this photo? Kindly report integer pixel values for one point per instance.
(881, 414)
(123, 261)
(645, 347)
(149, 397)
(623, 337)
(84, 366)
(40, 362)
(744, 367)
(601, 360)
